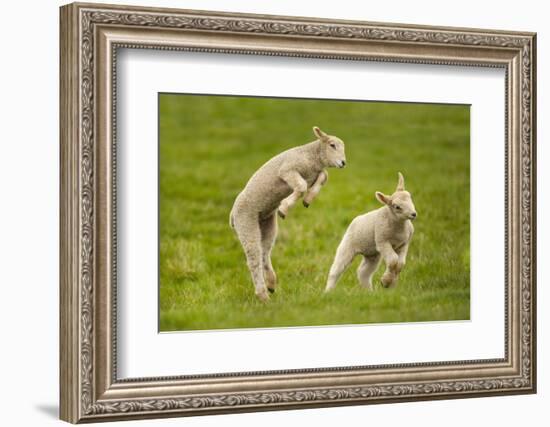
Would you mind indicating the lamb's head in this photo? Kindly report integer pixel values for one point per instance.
(399, 203)
(332, 149)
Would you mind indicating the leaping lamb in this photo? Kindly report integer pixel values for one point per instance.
(383, 233)
(275, 188)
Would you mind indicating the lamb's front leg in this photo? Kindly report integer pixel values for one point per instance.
(315, 188)
(402, 257)
(391, 259)
(299, 187)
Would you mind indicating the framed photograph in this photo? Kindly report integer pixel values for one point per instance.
(209, 264)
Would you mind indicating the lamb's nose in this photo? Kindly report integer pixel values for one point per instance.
(413, 214)
(343, 163)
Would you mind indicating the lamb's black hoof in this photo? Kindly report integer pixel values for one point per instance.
(271, 290)
(282, 215)
(306, 204)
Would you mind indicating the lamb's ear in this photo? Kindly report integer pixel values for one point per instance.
(400, 182)
(320, 134)
(382, 198)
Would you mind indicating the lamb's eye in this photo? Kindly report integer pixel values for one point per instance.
(333, 146)
(397, 207)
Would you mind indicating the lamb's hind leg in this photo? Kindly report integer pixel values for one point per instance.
(315, 188)
(249, 234)
(268, 229)
(344, 257)
(366, 269)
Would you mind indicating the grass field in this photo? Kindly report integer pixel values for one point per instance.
(209, 148)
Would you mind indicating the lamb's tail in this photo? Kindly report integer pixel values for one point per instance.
(231, 219)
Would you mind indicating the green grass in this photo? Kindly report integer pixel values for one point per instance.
(209, 148)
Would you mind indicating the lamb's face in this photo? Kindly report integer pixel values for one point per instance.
(400, 203)
(333, 155)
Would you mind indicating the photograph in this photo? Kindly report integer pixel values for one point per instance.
(290, 209)
(289, 212)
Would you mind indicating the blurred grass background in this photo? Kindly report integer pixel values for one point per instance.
(211, 145)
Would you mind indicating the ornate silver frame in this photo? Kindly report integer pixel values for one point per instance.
(90, 36)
